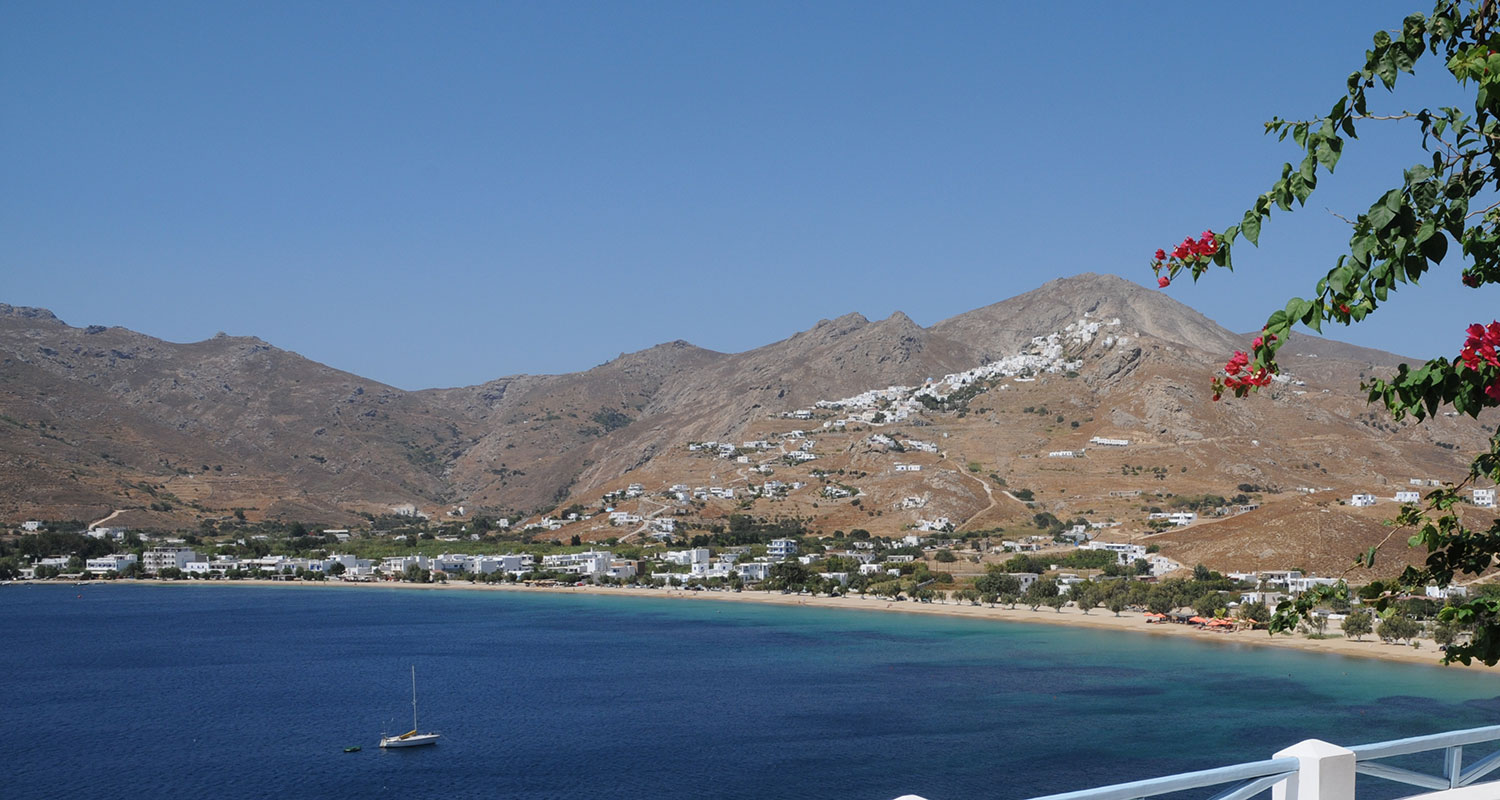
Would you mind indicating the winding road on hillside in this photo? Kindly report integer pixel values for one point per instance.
(988, 492)
(117, 512)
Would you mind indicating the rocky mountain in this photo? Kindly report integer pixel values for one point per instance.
(105, 422)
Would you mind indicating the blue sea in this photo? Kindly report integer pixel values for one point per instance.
(125, 691)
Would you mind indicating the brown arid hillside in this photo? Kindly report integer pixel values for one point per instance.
(105, 422)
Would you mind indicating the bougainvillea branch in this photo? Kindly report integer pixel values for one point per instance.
(1406, 232)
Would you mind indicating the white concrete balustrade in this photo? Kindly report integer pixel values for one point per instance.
(1317, 770)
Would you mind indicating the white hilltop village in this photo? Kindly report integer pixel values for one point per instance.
(1044, 354)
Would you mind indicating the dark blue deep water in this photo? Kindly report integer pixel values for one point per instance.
(244, 692)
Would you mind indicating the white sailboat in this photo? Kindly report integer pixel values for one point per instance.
(411, 738)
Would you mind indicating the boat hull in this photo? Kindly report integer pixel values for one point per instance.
(409, 740)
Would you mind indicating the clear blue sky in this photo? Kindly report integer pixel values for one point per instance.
(438, 194)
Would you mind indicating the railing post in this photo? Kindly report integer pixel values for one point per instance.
(1325, 772)
(1453, 765)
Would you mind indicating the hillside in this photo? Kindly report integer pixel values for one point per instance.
(95, 421)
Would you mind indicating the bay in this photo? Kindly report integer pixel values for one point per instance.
(129, 691)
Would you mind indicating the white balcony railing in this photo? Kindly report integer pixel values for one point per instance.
(1316, 770)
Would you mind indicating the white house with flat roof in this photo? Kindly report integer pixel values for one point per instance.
(754, 570)
(1125, 553)
(588, 563)
(687, 558)
(160, 558)
(782, 548)
(110, 563)
(1362, 500)
(1484, 498)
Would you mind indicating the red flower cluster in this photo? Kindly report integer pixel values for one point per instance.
(1480, 347)
(1238, 374)
(1471, 281)
(1192, 254)
(1191, 250)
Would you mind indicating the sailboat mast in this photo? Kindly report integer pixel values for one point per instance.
(413, 696)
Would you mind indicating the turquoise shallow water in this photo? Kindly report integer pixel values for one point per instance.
(183, 691)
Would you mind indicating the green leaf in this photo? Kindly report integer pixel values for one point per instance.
(1401, 59)
(1385, 67)
(1309, 170)
(1297, 308)
(1328, 151)
(1250, 227)
(1435, 248)
(1381, 215)
(1338, 279)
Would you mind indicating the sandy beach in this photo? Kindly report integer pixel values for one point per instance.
(1133, 622)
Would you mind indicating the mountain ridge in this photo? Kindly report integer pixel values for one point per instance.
(100, 419)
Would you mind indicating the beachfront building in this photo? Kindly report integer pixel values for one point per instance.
(753, 571)
(395, 565)
(687, 558)
(588, 563)
(112, 563)
(160, 558)
(1026, 579)
(510, 563)
(782, 548)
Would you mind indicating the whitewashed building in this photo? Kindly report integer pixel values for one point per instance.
(160, 558)
(110, 563)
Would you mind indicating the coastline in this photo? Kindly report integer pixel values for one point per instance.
(1099, 619)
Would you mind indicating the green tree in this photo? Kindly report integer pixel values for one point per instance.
(1039, 592)
(1357, 625)
(1116, 602)
(1161, 600)
(1056, 602)
(1255, 614)
(1085, 595)
(1445, 633)
(998, 583)
(1210, 604)
(1398, 627)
